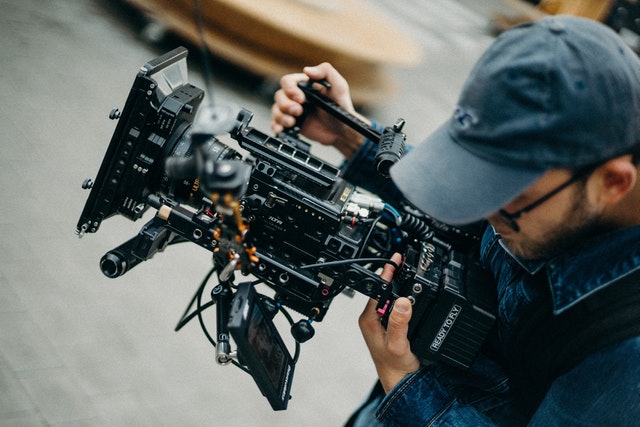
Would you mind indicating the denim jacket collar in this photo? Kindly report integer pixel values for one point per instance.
(595, 264)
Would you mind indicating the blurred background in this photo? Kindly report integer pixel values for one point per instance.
(79, 349)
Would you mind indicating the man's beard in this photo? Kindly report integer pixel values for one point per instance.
(581, 223)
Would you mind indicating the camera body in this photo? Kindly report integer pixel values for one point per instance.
(301, 213)
(453, 302)
(283, 216)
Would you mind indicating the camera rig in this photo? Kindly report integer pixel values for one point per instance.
(286, 218)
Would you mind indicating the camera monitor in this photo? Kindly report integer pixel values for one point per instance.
(260, 346)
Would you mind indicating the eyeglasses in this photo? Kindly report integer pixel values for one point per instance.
(511, 218)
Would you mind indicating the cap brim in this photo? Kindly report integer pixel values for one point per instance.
(449, 183)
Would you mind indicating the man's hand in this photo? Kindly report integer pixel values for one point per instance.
(389, 348)
(318, 125)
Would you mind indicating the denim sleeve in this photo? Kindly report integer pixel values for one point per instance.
(421, 399)
(414, 400)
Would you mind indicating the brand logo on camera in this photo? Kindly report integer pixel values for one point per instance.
(446, 327)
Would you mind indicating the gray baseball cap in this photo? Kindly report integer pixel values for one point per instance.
(562, 92)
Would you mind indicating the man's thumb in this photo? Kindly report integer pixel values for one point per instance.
(399, 317)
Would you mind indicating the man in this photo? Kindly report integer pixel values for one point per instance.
(544, 145)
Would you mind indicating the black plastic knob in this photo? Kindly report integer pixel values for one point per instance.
(302, 331)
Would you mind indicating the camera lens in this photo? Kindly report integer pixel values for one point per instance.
(181, 178)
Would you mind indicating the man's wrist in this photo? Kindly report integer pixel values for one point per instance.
(349, 143)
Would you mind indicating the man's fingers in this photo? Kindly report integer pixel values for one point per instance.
(398, 326)
(289, 86)
(287, 105)
(369, 320)
(389, 269)
(284, 111)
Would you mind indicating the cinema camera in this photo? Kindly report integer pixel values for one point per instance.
(284, 217)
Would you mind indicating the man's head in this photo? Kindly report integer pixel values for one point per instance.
(547, 99)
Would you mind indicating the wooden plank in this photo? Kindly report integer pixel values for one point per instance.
(276, 37)
(519, 11)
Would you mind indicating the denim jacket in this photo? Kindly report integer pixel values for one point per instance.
(604, 389)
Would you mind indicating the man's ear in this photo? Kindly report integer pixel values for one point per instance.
(616, 178)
